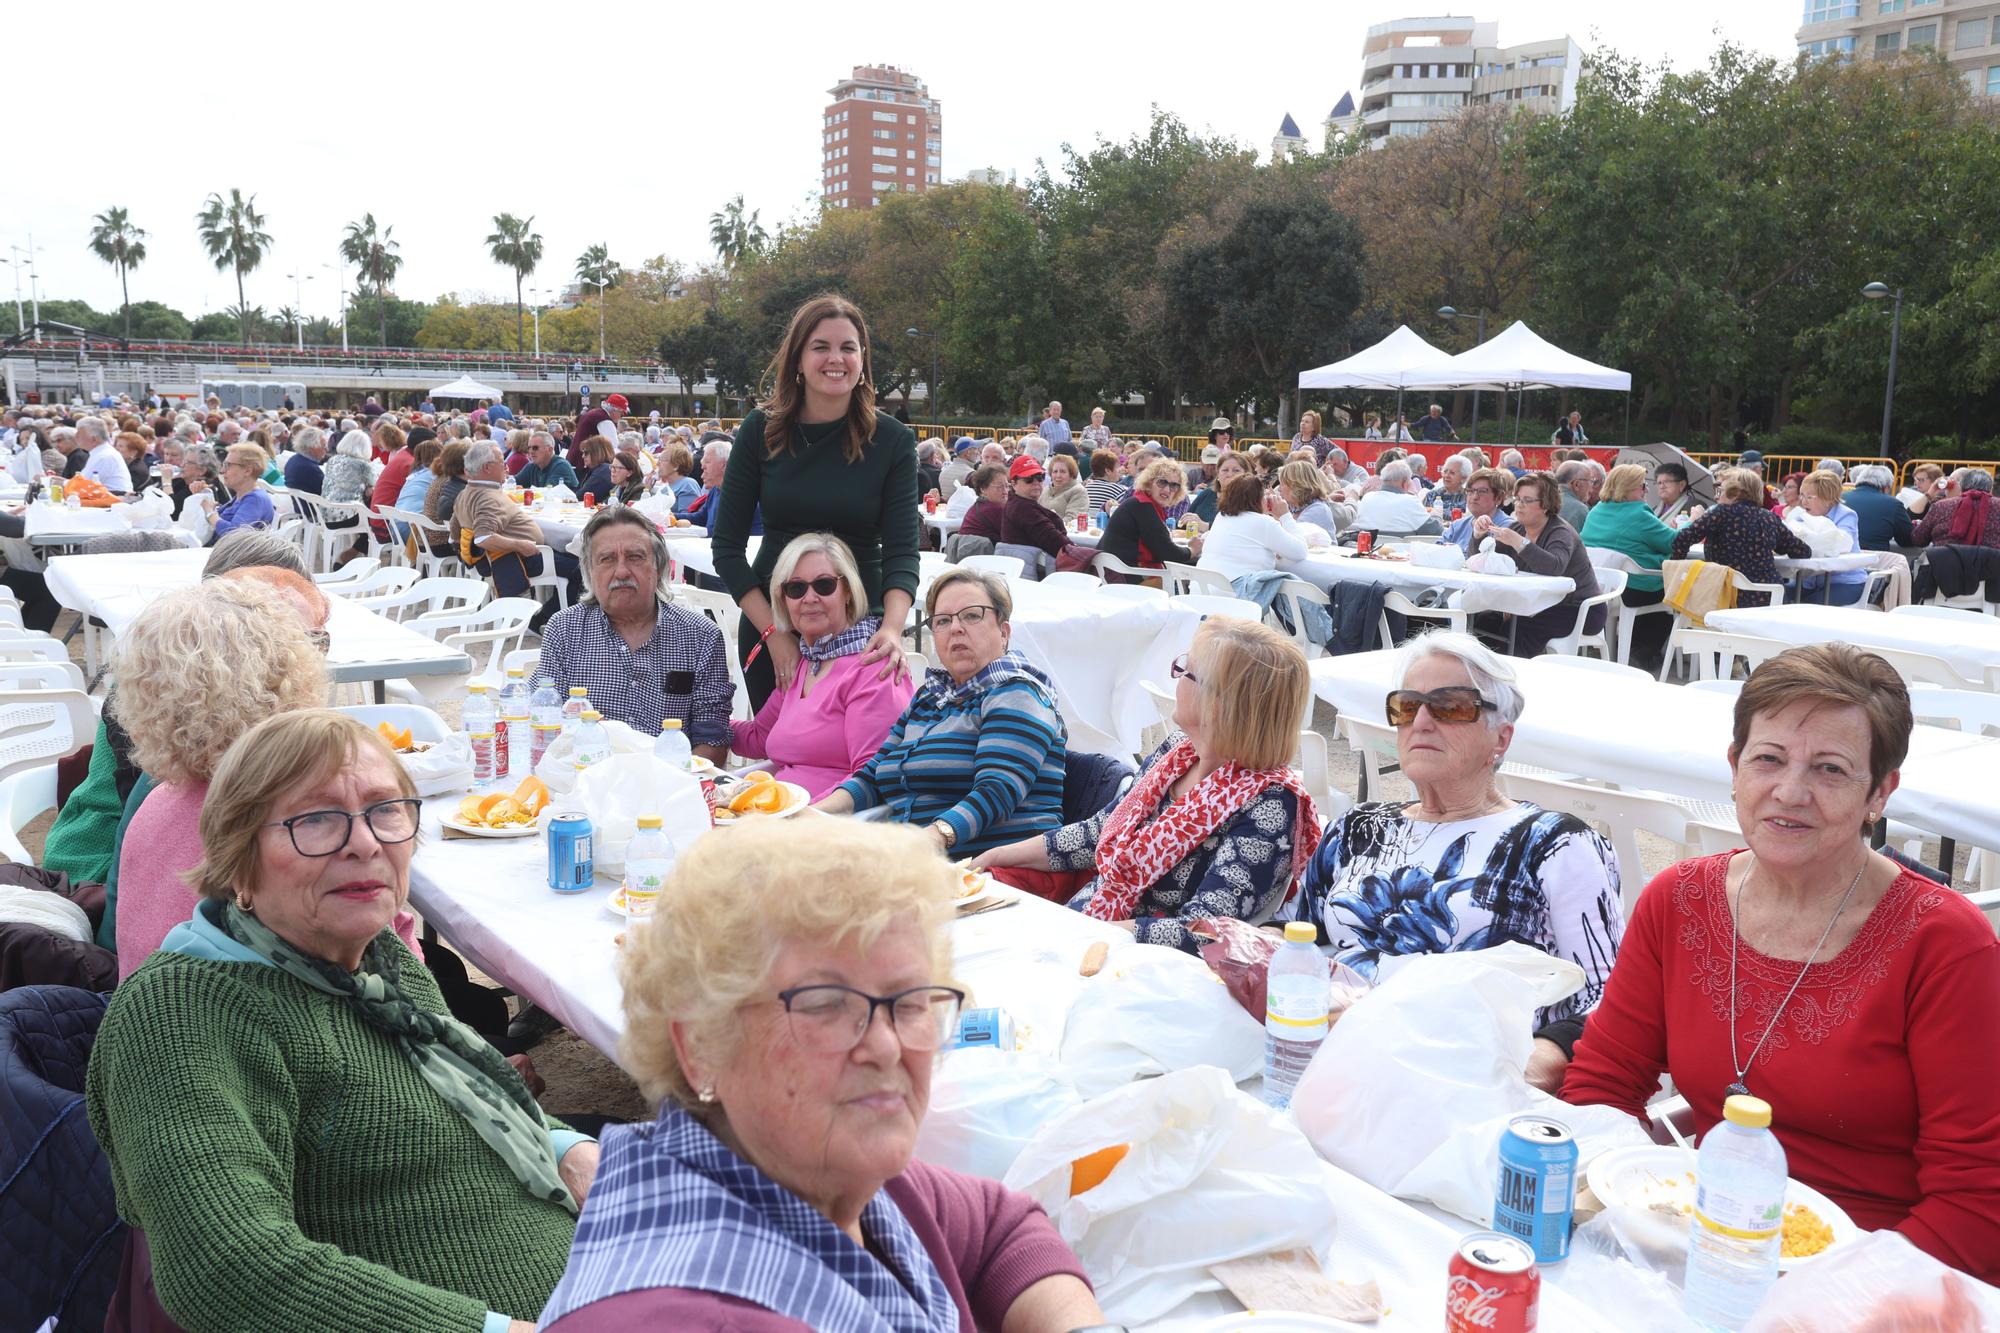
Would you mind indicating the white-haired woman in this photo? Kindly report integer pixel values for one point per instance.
(1884, 522)
(347, 477)
(756, 1201)
(1462, 866)
(831, 718)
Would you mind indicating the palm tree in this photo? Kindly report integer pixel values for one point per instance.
(514, 246)
(734, 235)
(596, 267)
(116, 241)
(235, 237)
(375, 255)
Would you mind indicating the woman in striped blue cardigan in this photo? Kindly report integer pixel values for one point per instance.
(977, 757)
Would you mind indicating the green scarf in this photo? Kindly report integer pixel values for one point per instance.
(474, 1079)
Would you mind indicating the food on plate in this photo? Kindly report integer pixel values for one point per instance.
(761, 794)
(1806, 1233)
(1089, 1171)
(505, 810)
(1093, 959)
(401, 741)
(89, 493)
(972, 882)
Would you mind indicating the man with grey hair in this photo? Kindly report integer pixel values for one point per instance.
(1390, 507)
(546, 467)
(1946, 520)
(1579, 490)
(1833, 465)
(642, 658)
(302, 469)
(1880, 517)
(228, 433)
(1053, 429)
(103, 463)
(1343, 470)
(1435, 428)
(1512, 460)
(248, 548)
(499, 535)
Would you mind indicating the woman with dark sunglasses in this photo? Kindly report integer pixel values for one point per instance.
(830, 718)
(1462, 866)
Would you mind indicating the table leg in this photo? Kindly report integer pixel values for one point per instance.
(381, 688)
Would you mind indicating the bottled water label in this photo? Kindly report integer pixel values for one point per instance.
(1738, 1218)
(1295, 1008)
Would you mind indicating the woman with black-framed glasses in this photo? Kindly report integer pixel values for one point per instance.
(297, 1126)
(830, 717)
(785, 1004)
(1462, 866)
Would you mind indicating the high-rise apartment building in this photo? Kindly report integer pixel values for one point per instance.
(1967, 31)
(1416, 72)
(882, 131)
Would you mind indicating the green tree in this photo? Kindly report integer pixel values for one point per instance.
(374, 254)
(151, 319)
(734, 235)
(233, 232)
(398, 319)
(515, 245)
(117, 242)
(78, 314)
(596, 266)
(999, 338)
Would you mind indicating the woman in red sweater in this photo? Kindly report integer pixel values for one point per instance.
(1856, 997)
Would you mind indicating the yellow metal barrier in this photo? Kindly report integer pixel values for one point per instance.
(1949, 465)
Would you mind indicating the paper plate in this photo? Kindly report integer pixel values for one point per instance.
(481, 831)
(797, 798)
(617, 905)
(980, 894)
(1624, 1177)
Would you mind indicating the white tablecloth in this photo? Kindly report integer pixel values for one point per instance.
(365, 647)
(1514, 594)
(1648, 736)
(942, 523)
(59, 525)
(1971, 649)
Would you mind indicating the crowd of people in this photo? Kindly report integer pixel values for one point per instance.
(309, 1119)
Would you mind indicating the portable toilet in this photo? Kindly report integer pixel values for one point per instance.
(297, 393)
(271, 394)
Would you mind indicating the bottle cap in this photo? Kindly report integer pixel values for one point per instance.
(592, 715)
(578, 691)
(1301, 932)
(477, 687)
(1749, 1112)
(517, 671)
(649, 821)
(671, 724)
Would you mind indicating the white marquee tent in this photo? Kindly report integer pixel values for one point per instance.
(1519, 358)
(1399, 361)
(465, 387)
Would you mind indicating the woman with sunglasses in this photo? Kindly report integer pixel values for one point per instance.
(1217, 825)
(1136, 532)
(1463, 867)
(832, 717)
(760, 1199)
(300, 1135)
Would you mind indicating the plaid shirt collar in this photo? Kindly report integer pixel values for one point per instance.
(674, 1206)
(844, 644)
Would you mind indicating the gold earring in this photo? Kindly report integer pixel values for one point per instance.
(242, 903)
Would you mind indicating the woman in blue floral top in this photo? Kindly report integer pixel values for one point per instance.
(1463, 867)
(1217, 824)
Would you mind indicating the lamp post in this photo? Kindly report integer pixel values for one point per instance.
(341, 271)
(299, 281)
(1875, 291)
(1446, 312)
(930, 387)
(537, 293)
(602, 285)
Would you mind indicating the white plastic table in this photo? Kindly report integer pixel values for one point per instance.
(1648, 736)
(1512, 594)
(365, 646)
(1970, 649)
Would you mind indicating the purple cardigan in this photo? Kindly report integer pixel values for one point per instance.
(819, 739)
(989, 1244)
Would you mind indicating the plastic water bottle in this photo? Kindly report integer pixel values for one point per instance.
(481, 725)
(574, 709)
(514, 723)
(593, 743)
(1297, 990)
(1739, 1214)
(648, 859)
(672, 746)
(545, 719)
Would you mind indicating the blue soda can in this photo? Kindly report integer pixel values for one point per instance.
(1536, 1197)
(570, 869)
(984, 1027)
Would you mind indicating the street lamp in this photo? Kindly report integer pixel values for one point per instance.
(299, 282)
(1446, 312)
(602, 285)
(537, 293)
(1875, 291)
(930, 388)
(341, 270)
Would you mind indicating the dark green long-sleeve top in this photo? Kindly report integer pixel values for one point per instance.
(870, 504)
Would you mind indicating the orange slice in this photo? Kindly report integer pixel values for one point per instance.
(489, 806)
(468, 809)
(386, 732)
(756, 775)
(404, 740)
(768, 798)
(532, 795)
(740, 802)
(1090, 1170)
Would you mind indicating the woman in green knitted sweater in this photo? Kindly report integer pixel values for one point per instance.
(304, 1135)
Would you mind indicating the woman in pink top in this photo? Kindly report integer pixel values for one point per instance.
(831, 719)
(197, 669)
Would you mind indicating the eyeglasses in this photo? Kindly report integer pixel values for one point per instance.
(324, 832)
(971, 618)
(1179, 668)
(833, 1019)
(1170, 487)
(320, 640)
(826, 585)
(1454, 703)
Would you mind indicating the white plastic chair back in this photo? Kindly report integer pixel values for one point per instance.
(423, 724)
(40, 726)
(1008, 566)
(24, 798)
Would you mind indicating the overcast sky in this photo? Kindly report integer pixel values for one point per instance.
(631, 123)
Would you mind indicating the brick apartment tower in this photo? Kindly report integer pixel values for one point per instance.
(882, 131)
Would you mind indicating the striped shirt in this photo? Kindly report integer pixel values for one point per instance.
(1105, 493)
(986, 757)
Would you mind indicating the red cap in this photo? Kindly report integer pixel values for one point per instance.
(617, 400)
(1024, 466)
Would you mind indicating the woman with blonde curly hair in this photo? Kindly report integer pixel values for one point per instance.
(258, 627)
(766, 1199)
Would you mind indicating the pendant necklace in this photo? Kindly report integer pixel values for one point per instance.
(1738, 1088)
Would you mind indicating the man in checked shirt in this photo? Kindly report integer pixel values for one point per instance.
(642, 658)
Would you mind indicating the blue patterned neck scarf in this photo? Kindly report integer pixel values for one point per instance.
(844, 644)
(673, 1206)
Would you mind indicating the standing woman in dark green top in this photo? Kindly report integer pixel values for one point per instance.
(817, 457)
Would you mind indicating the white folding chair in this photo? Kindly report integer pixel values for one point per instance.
(1973, 711)
(916, 664)
(1074, 579)
(1682, 625)
(423, 724)
(1206, 605)
(1924, 669)
(428, 596)
(387, 579)
(1622, 814)
(1448, 616)
(1715, 653)
(1298, 592)
(1627, 616)
(1103, 561)
(1610, 587)
(1183, 579)
(24, 798)
(40, 726)
(352, 572)
(493, 625)
(550, 580)
(28, 646)
(721, 608)
(1316, 771)
(334, 539)
(311, 530)
(1152, 734)
(528, 659)
(1007, 566)
(37, 675)
(10, 616)
(435, 553)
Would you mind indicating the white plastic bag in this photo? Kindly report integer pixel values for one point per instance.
(1884, 1284)
(195, 521)
(1491, 559)
(1212, 1174)
(616, 792)
(445, 767)
(558, 767)
(151, 512)
(1436, 555)
(1821, 534)
(1413, 1088)
(1154, 1011)
(987, 1106)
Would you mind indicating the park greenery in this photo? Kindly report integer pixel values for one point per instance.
(1709, 230)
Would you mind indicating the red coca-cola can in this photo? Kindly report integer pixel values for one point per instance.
(708, 794)
(1457, 514)
(1083, 521)
(1492, 1286)
(1364, 543)
(930, 504)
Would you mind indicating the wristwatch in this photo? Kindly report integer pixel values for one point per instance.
(943, 830)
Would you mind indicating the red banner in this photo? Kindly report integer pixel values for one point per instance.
(1536, 457)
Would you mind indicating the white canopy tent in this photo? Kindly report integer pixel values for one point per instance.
(1400, 361)
(1517, 359)
(465, 387)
